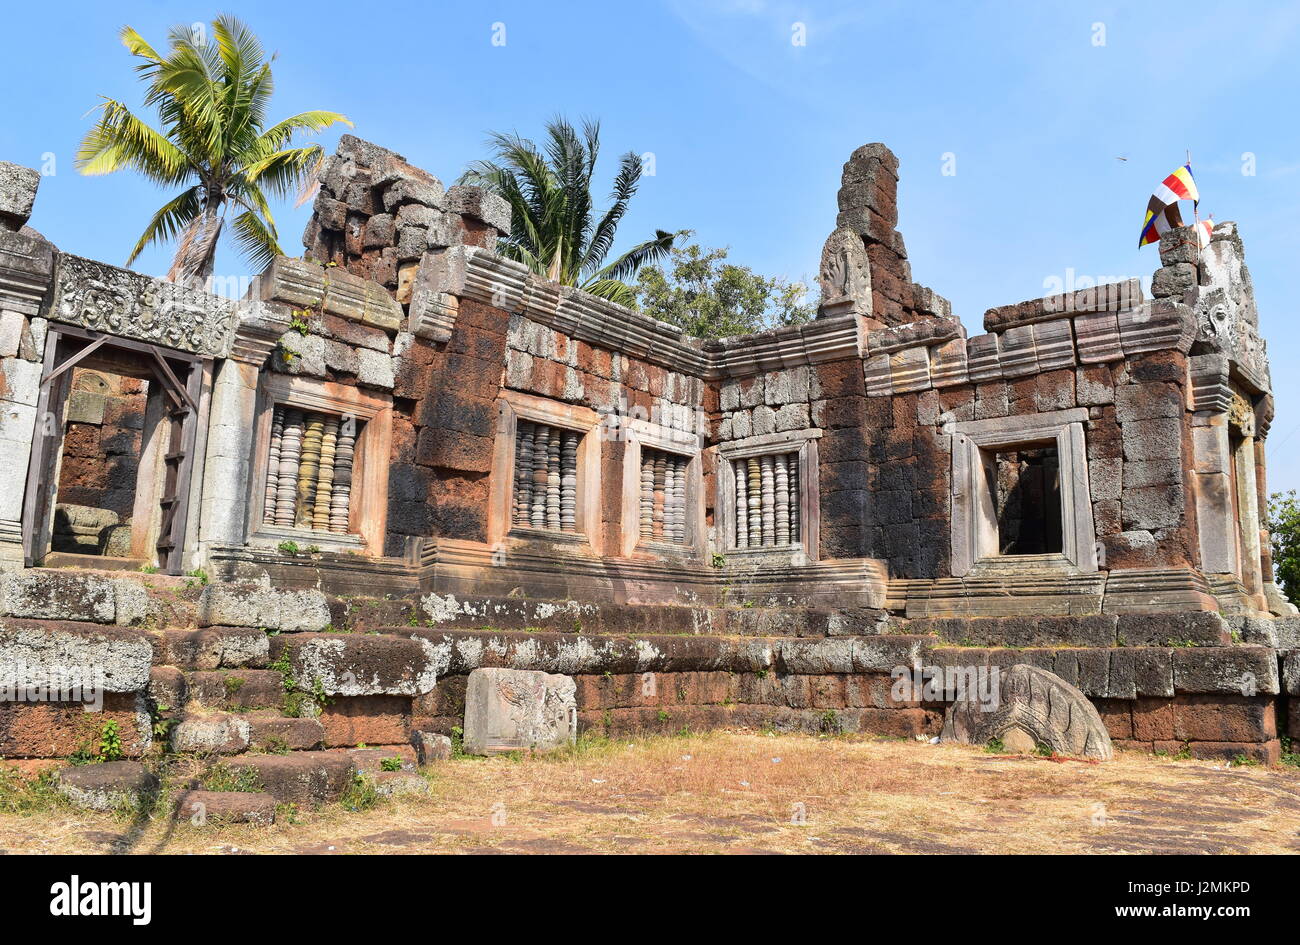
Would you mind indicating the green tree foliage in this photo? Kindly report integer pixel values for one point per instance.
(708, 297)
(211, 93)
(1284, 530)
(556, 230)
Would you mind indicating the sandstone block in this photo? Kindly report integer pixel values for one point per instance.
(18, 186)
(108, 786)
(253, 605)
(216, 808)
(1035, 707)
(216, 735)
(114, 658)
(358, 664)
(510, 710)
(306, 778)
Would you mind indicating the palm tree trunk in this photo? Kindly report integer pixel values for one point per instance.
(196, 254)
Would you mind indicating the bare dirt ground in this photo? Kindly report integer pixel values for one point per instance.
(744, 792)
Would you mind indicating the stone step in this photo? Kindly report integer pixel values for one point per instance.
(236, 689)
(215, 733)
(372, 759)
(357, 664)
(306, 778)
(108, 786)
(212, 648)
(271, 731)
(81, 559)
(215, 808)
(568, 616)
(204, 731)
(1192, 628)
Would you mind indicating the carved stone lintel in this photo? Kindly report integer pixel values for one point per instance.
(128, 304)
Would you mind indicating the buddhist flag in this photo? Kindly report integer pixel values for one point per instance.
(1159, 219)
(1178, 186)
(1162, 208)
(1204, 231)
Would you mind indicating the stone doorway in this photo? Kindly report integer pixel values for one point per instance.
(113, 453)
(1027, 493)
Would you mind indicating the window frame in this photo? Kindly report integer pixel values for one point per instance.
(974, 526)
(513, 407)
(642, 434)
(802, 442)
(368, 500)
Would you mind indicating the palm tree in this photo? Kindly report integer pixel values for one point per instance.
(212, 99)
(554, 229)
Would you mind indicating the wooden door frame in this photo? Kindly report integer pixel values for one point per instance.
(184, 414)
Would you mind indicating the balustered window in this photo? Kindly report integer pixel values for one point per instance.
(767, 505)
(663, 505)
(546, 477)
(767, 499)
(309, 470)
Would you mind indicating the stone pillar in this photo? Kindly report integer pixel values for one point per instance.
(1211, 479)
(26, 269)
(1248, 518)
(226, 464)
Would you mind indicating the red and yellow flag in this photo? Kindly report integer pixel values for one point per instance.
(1162, 208)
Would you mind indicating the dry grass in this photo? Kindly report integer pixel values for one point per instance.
(742, 792)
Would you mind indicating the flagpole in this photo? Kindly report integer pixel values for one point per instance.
(1196, 220)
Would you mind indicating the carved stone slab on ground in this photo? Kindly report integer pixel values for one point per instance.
(513, 709)
(1034, 708)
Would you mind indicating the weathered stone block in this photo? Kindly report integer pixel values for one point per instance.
(1035, 707)
(18, 186)
(216, 808)
(116, 658)
(1244, 670)
(255, 605)
(358, 664)
(215, 734)
(108, 786)
(509, 710)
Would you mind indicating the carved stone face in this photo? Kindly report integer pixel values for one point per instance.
(1215, 326)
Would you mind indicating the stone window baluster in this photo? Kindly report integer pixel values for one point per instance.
(290, 453)
(767, 501)
(742, 503)
(344, 455)
(309, 470)
(545, 477)
(273, 466)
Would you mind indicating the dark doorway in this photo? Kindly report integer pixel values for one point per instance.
(1027, 497)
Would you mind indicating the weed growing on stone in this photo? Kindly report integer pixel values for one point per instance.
(360, 794)
(223, 777)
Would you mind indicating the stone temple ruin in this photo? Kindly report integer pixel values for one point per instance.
(403, 458)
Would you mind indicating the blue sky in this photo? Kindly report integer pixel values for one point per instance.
(1036, 102)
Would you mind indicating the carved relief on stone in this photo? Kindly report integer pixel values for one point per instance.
(1214, 322)
(845, 275)
(1241, 415)
(130, 305)
(1032, 707)
(1220, 326)
(514, 709)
